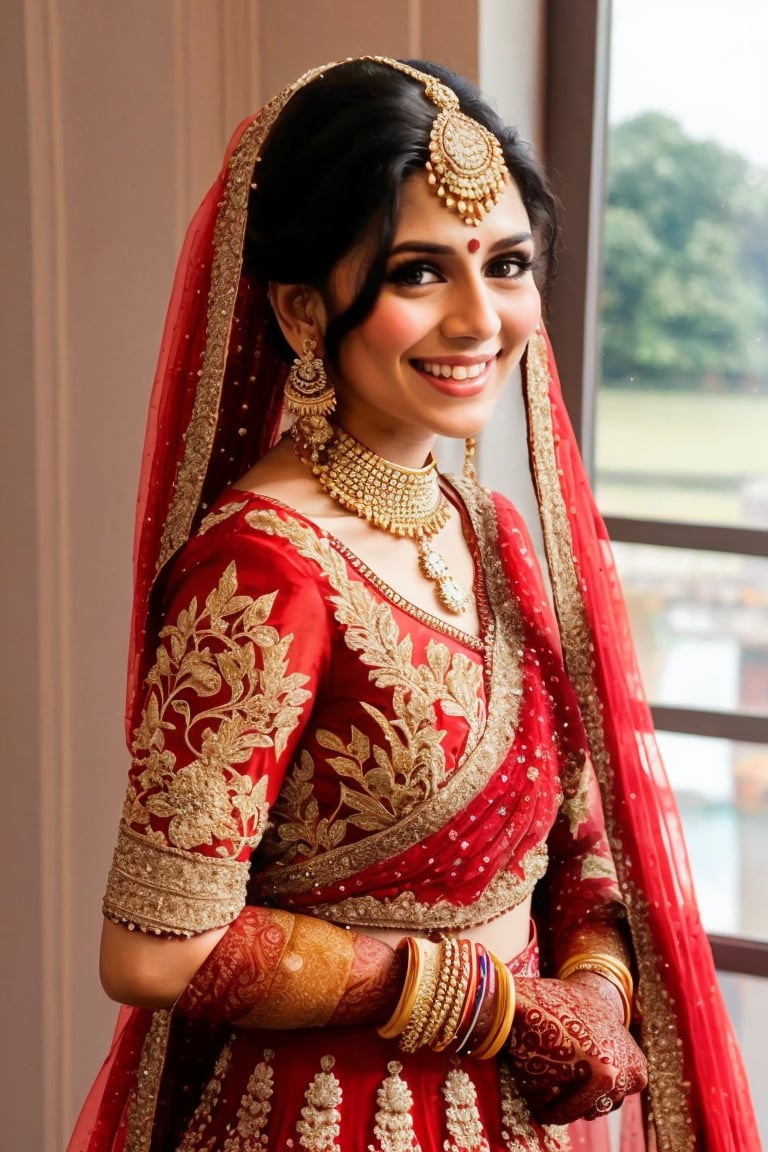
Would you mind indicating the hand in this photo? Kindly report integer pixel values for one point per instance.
(572, 1056)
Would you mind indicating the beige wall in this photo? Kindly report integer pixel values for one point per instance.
(113, 119)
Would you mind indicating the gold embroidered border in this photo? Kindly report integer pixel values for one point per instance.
(165, 890)
(472, 774)
(226, 268)
(506, 891)
(434, 622)
(660, 1037)
(225, 276)
(141, 1112)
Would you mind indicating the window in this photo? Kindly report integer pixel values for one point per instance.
(657, 124)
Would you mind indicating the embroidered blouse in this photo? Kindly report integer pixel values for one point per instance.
(312, 741)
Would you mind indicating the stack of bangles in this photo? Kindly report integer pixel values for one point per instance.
(607, 966)
(456, 997)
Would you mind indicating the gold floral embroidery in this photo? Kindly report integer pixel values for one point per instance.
(576, 807)
(436, 623)
(667, 1086)
(450, 679)
(462, 1118)
(505, 891)
(518, 1131)
(394, 1122)
(254, 1110)
(221, 681)
(141, 1112)
(224, 513)
(379, 785)
(372, 631)
(388, 780)
(598, 868)
(193, 1140)
(320, 1118)
(224, 647)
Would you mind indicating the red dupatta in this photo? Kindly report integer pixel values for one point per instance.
(698, 1089)
(215, 410)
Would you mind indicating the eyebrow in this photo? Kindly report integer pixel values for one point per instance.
(447, 250)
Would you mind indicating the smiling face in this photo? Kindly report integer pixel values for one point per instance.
(451, 322)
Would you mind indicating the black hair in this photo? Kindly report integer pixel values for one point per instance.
(332, 170)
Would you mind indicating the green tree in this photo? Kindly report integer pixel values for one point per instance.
(685, 261)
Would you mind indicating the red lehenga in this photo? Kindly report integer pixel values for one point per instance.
(307, 740)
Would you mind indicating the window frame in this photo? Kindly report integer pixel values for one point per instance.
(577, 55)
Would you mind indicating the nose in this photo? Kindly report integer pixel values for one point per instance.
(472, 312)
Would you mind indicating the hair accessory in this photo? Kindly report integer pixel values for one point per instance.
(403, 501)
(466, 165)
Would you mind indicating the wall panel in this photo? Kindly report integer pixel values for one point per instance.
(115, 117)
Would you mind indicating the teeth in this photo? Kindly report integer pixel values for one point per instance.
(455, 372)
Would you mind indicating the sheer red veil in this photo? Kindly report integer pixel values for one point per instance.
(215, 409)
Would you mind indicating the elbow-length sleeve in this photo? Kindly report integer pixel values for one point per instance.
(239, 658)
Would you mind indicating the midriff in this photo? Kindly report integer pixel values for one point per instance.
(506, 936)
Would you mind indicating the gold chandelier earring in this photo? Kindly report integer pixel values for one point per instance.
(309, 396)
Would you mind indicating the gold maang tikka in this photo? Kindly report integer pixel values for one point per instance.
(466, 166)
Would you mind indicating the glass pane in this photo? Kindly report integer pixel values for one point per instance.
(700, 623)
(747, 1001)
(722, 793)
(682, 404)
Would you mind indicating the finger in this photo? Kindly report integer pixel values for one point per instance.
(582, 1104)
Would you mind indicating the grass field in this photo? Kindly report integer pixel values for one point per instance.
(683, 455)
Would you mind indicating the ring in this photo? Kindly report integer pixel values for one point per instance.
(603, 1104)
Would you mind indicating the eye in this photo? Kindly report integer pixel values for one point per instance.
(511, 266)
(414, 274)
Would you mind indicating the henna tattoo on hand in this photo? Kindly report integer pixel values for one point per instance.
(570, 1051)
(240, 969)
(244, 982)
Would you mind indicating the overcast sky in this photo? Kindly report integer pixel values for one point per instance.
(703, 61)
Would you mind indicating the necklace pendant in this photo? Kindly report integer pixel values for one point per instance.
(452, 596)
(449, 592)
(433, 565)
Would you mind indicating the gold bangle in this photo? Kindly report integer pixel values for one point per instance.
(504, 1012)
(466, 955)
(619, 969)
(411, 1036)
(402, 1013)
(601, 969)
(445, 991)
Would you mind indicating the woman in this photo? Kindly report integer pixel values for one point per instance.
(365, 889)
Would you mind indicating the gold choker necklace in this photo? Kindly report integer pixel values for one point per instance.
(403, 501)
